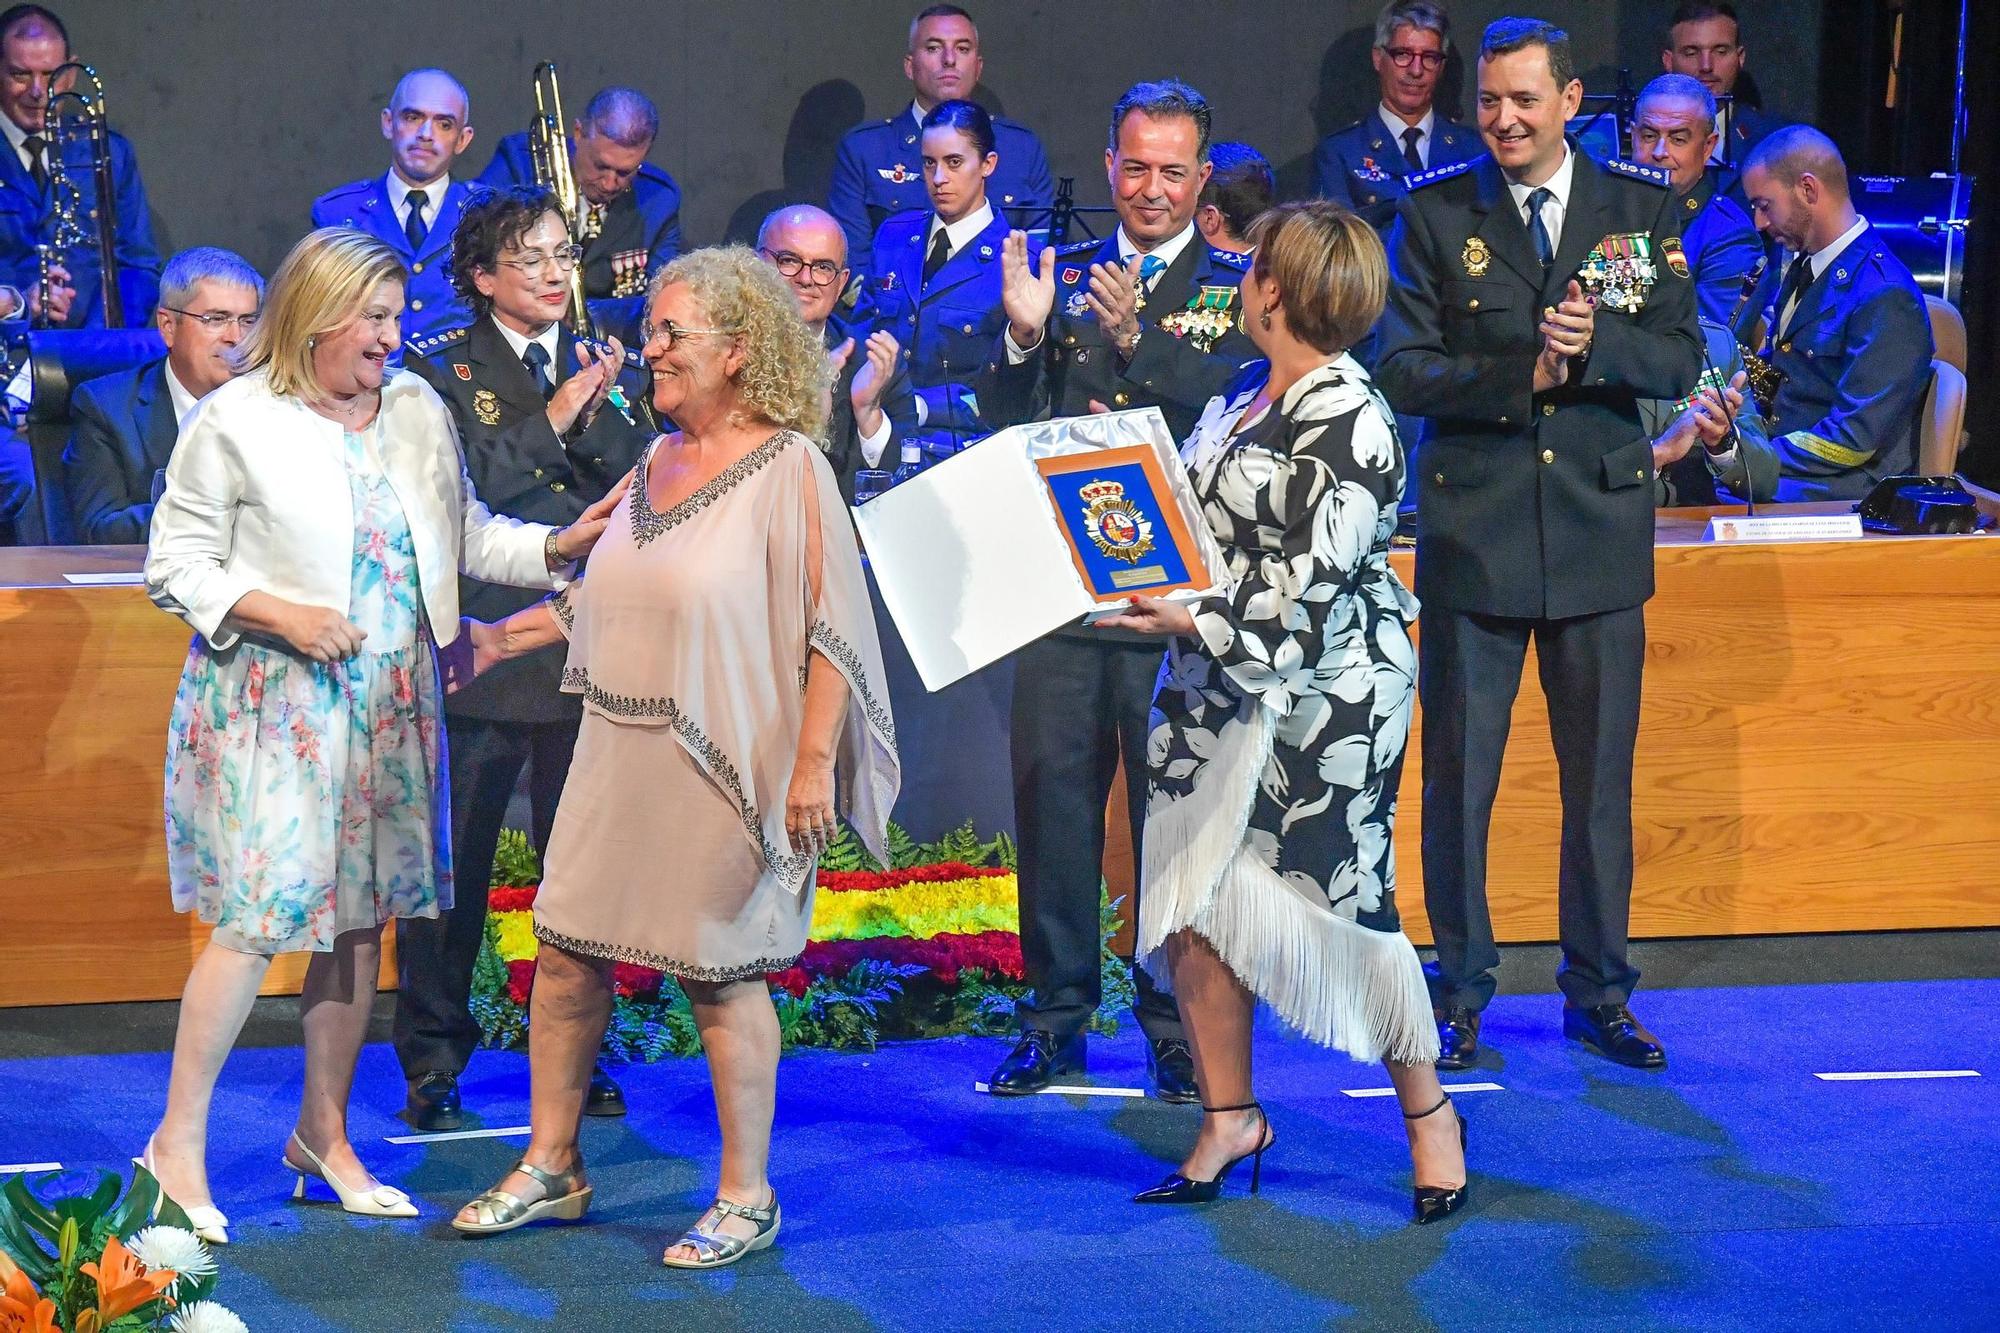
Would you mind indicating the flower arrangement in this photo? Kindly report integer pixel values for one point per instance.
(926, 946)
(99, 1263)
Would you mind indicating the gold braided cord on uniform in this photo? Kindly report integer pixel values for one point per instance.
(1837, 454)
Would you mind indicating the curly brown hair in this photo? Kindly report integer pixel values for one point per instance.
(786, 378)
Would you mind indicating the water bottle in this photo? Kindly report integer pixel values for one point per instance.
(912, 464)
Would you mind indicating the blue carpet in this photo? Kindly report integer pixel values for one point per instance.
(1735, 1190)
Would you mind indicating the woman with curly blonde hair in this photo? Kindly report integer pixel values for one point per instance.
(733, 699)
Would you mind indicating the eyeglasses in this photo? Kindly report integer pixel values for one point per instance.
(564, 257)
(1405, 55)
(824, 271)
(215, 321)
(670, 333)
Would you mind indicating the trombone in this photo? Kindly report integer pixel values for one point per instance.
(79, 113)
(548, 149)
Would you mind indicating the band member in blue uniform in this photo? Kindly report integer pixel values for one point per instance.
(1538, 297)
(934, 278)
(413, 208)
(1146, 317)
(1673, 129)
(542, 437)
(33, 45)
(878, 170)
(1363, 166)
(631, 221)
(1847, 331)
(1705, 41)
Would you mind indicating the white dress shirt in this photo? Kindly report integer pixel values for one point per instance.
(549, 339)
(1395, 124)
(182, 397)
(1820, 261)
(1556, 207)
(399, 198)
(18, 137)
(960, 233)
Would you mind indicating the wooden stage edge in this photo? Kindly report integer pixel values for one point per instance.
(1819, 751)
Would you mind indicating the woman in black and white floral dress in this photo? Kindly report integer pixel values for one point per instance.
(1281, 718)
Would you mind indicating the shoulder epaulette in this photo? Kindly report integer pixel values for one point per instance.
(1076, 248)
(1650, 175)
(1436, 174)
(431, 342)
(1229, 259)
(635, 358)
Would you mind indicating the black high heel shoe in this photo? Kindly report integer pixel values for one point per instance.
(1177, 1188)
(1431, 1202)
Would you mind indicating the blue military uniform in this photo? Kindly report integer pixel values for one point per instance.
(625, 242)
(879, 171)
(1855, 362)
(1363, 166)
(430, 303)
(1699, 479)
(947, 326)
(35, 221)
(1722, 247)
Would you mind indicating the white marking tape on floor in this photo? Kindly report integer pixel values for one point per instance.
(1448, 1087)
(506, 1133)
(1866, 1076)
(1077, 1090)
(20, 1168)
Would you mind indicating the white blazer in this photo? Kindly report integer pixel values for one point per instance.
(257, 500)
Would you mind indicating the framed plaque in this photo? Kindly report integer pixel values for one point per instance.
(1117, 513)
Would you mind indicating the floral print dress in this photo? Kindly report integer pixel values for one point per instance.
(1278, 731)
(307, 799)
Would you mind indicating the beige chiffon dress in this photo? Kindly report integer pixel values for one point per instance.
(688, 640)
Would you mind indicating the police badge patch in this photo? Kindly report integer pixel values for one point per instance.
(1670, 250)
(1476, 257)
(1116, 526)
(1619, 271)
(486, 407)
(463, 371)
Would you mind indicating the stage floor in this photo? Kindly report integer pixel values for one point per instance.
(1735, 1190)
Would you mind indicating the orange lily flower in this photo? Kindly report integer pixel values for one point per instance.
(22, 1308)
(123, 1284)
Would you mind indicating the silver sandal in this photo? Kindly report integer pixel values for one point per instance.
(563, 1197)
(717, 1250)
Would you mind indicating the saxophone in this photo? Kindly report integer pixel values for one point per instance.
(1763, 378)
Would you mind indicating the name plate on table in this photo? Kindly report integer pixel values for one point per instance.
(1117, 512)
(1786, 528)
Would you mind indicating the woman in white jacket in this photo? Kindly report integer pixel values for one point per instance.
(315, 520)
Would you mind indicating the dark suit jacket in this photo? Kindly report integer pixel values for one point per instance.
(843, 440)
(1534, 505)
(1074, 363)
(122, 431)
(520, 467)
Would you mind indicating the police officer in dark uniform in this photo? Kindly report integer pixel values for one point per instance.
(934, 277)
(878, 169)
(1847, 332)
(1363, 166)
(542, 418)
(1146, 317)
(414, 208)
(1536, 301)
(33, 45)
(1673, 130)
(631, 221)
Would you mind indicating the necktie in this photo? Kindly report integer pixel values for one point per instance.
(1539, 234)
(1150, 268)
(940, 251)
(1797, 278)
(1410, 154)
(536, 359)
(414, 229)
(37, 170)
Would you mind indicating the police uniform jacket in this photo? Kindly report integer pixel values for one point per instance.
(1363, 167)
(1722, 247)
(138, 257)
(1176, 371)
(641, 228)
(947, 326)
(1534, 505)
(519, 466)
(878, 171)
(1855, 360)
(430, 303)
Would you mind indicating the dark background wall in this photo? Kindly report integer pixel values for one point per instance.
(242, 112)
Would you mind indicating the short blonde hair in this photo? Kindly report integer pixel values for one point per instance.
(786, 376)
(1332, 274)
(322, 284)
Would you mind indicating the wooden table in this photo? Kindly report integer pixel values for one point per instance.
(1819, 750)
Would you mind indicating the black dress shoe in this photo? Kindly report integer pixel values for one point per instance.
(1172, 1066)
(1458, 1037)
(1034, 1063)
(433, 1105)
(605, 1096)
(1612, 1032)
